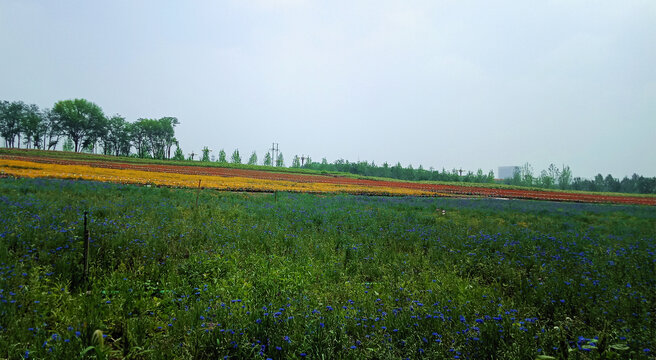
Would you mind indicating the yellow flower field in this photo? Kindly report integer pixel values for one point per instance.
(128, 176)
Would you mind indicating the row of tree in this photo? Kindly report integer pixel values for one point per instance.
(561, 178)
(360, 168)
(235, 158)
(83, 125)
(403, 173)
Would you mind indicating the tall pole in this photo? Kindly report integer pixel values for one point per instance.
(274, 149)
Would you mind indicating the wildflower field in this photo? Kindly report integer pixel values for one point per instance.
(268, 179)
(186, 273)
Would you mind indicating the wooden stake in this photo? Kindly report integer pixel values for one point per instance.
(85, 270)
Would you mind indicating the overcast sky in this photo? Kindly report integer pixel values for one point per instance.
(454, 84)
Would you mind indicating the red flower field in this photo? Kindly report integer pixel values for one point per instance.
(438, 189)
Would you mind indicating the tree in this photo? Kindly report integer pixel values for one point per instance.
(124, 139)
(627, 186)
(11, 115)
(139, 137)
(206, 154)
(280, 160)
(267, 159)
(155, 134)
(222, 156)
(253, 159)
(296, 162)
(31, 124)
(517, 177)
(480, 177)
(116, 139)
(553, 173)
(611, 184)
(527, 174)
(81, 120)
(51, 129)
(490, 177)
(235, 158)
(598, 183)
(178, 155)
(168, 132)
(565, 178)
(546, 180)
(99, 131)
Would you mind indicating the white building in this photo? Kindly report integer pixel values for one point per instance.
(507, 172)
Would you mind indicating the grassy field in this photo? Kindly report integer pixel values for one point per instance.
(178, 273)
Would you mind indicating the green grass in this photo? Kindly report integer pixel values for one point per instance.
(350, 277)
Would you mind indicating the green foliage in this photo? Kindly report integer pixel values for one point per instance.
(154, 136)
(178, 155)
(296, 162)
(527, 175)
(253, 159)
(81, 120)
(222, 157)
(565, 178)
(267, 159)
(280, 160)
(399, 172)
(327, 276)
(116, 140)
(11, 119)
(206, 154)
(235, 158)
(31, 125)
(85, 124)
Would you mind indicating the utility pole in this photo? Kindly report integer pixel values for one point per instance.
(274, 149)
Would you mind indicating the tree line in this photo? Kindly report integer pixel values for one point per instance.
(81, 125)
(402, 173)
(561, 178)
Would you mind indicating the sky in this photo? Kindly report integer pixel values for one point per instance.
(443, 84)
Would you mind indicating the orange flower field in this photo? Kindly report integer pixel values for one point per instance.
(29, 169)
(237, 179)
